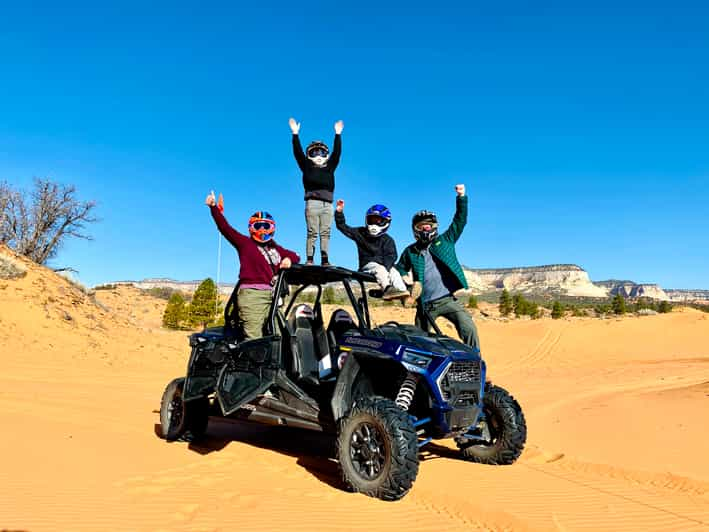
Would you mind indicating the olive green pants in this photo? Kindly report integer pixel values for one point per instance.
(453, 311)
(253, 307)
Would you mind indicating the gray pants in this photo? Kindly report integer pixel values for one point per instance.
(453, 311)
(385, 278)
(318, 218)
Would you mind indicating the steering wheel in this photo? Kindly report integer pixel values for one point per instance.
(391, 323)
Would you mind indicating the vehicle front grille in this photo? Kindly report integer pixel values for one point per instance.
(461, 382)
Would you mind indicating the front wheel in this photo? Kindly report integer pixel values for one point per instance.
(377, 448)
(181, 420)
(500, 437)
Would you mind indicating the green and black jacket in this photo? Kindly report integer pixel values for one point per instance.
(442, 250)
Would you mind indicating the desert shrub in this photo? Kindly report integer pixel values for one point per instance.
(505, 303)
(35, 225)
(618, 304)
(328, 296)
(664, 307)
(557, 310)
(175, 312)
(105, 287)
(203, 309)
(472, 301)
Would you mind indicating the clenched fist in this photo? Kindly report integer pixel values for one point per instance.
(211, 199)
(340, 206)
(339, 126)
(460, 190)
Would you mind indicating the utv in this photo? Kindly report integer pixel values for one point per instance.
(383, 391)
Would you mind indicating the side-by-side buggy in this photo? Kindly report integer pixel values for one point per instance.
(383, 391)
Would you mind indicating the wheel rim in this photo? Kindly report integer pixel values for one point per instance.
(368, 450)
(175, 411)
(494, 426)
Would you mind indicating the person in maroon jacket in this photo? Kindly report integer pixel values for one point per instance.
(261, 259)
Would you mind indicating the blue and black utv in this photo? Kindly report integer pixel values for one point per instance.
(383, 391)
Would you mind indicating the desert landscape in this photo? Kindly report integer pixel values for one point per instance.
(616, 411)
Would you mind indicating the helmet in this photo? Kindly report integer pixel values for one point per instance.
(377, 219)
(318, 152)
(425, 226)
(262, 227)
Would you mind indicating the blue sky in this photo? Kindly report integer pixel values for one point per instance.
(580, 129)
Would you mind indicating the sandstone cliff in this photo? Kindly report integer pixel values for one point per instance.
(554, 279)
(630, 289)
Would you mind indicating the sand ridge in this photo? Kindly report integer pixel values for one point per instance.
(616, 411)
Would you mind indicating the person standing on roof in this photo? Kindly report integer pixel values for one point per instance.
(318, 166)
(436, 271)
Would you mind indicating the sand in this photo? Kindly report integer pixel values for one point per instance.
(616, 410)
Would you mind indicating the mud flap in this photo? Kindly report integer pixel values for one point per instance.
(250, 372)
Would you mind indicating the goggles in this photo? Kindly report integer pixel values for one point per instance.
(317, 152)
(373, 219)
(426, 226)
(262, 225)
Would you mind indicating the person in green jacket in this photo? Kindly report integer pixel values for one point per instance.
(436, 270)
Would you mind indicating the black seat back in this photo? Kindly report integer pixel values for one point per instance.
(304, 364)
(340, 322)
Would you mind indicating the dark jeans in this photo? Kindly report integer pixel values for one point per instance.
(453, 311)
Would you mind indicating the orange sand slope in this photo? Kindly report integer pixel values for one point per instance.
(616, 409)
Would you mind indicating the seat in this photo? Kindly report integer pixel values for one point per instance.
(340, 322)
(304, 363)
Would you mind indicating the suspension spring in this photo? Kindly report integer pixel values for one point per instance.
(407, 391)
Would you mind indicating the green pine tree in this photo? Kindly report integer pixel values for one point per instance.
(557, 310)
(505, 303)
(618, 304)
(328, 296)
(175, 312)
(664, 307)
(202, 310)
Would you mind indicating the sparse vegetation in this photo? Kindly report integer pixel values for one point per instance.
(203, 309)
(175, 312)
(557, 310)
(618, 305)
(328, 296)
(505, 304)
(664, 307)
(524, 307)
(472, 301)
(35, 225)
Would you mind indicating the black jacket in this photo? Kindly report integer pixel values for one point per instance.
(379, 249)
(319, 182)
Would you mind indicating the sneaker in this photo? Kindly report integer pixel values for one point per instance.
(309, 262)
(392, 293)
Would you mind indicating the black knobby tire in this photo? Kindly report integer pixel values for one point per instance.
(385, 465)
(179, 420)
(508, 430)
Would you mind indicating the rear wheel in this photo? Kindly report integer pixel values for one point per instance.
(377, 448)
(179, 420)
(501, 436)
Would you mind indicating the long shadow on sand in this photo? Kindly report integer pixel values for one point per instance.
(313, 451)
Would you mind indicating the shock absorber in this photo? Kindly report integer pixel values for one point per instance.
(407, 391)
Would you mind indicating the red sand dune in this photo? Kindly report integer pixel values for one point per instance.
(616, 409)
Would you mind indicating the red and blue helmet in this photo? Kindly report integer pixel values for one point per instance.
(377, 219)
(262, 227)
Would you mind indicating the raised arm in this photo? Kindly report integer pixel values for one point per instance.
(460, 218)
(235, 238)
(334, 158)
(300, 157)
(341, 224)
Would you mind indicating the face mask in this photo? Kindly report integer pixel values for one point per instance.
(318, 160)
(375, 230)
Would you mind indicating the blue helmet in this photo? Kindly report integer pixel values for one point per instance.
(377, 219)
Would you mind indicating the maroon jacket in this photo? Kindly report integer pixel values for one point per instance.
(254, 267)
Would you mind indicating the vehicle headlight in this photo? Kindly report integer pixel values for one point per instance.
(420, 361)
